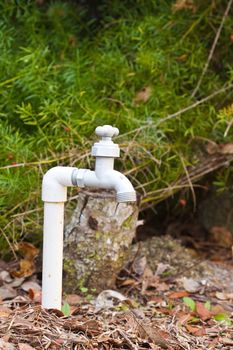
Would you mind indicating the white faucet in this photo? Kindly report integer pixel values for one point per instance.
(54, 194)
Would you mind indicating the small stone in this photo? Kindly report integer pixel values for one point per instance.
(30, 285)
(7, 292)
(24, 346)
(105, 300)
(6, 346)
(161, 268)
(17, 282)
(5, 276)
(190, 285)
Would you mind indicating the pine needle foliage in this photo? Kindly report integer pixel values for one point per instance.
(66, 70)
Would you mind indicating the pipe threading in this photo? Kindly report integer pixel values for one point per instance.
(74, 177)
(122, 197)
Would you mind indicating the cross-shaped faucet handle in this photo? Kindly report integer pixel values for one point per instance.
(106, 131)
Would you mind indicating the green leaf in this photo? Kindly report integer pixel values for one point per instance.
(84, 289)
(66, 309)
(190, 303)
(207, 305)
(224, 318)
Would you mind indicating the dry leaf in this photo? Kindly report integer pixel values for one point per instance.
(102, 338)
(183, 317)
(226, 341)
(182, 58)
(179, 294)
(191, 329)
(195, 330)
(73, 299)
(28, 250)
(221, 236)
(163, 310)
(90, 327)
(213, 343)
(142, 96)
(212, 147)
(56, 312)
(161, 286)
(226, 148)
(139, 265)
(202, 311)
(127, 282)
(35, 295)
(23, 346)
(148, 279)
(201, 332)
(184, 5)
(26, 269)
(224, 296)
(217, 309)
(5, 312)
(26, 265)
(146, 331)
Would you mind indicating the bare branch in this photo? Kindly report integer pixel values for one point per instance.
(178, 113)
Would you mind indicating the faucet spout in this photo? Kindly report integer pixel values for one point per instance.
(111, 179)
(123, 187)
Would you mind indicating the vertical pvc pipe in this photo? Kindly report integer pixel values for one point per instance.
(52, 255)
(102, 165)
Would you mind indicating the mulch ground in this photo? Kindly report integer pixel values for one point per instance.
(148, 310)
(29, 326)
(162, 321)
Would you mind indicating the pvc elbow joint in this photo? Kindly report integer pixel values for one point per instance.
(55, 182)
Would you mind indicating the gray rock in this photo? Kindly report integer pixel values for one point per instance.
(217, 211)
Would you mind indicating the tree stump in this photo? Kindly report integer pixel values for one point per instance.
(97, 241)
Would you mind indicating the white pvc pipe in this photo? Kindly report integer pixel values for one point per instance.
(52, 255)
(54, 194)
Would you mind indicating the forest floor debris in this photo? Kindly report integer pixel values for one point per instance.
(152, 308)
